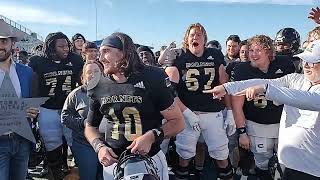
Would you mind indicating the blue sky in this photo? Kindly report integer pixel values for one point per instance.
(158, 22)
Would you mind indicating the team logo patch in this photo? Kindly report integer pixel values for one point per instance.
(69, 64)
(279, 71)
(140, 85)
(210, 58)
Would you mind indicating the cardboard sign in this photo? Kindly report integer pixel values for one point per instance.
(13, 110)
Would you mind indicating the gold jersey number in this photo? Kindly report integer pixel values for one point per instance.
(261, 102)
(52, 83)
(132, 122)
(192, 82)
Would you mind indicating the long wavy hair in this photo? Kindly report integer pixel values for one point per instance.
(48, 50)
(266, 42)
(186, 35)
(130, 63)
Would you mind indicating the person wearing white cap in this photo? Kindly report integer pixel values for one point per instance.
(15, 82)
(299, 135)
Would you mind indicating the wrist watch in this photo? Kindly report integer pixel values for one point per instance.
(158, 135)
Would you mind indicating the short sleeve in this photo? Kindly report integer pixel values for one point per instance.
(94, 117)
(161, 91)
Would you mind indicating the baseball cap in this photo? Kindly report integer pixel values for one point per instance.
(144, 48)
(312, 53)
(78, 36)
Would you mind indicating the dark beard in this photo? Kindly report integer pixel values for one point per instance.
(6, 56)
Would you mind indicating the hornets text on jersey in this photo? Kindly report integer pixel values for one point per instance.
(131, 108)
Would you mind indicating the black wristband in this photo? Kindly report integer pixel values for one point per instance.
(241, 130)
(158, 135)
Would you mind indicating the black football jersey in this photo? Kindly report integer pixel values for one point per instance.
(230, 69)
(56, 79)
(198, 74)
(260, 110)
(131, 108)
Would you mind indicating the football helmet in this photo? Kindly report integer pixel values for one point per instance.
(290, 37)
(135, 167)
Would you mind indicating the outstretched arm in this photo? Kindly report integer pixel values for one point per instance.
(297, 98)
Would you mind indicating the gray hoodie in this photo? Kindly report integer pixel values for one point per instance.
(74, 113)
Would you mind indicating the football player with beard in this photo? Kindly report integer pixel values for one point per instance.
(133, 98)
(58, 72)
(197, 69)
(233, 49)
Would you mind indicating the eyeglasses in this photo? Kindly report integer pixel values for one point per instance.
(311, 65)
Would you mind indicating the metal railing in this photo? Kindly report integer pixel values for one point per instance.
(20, 27)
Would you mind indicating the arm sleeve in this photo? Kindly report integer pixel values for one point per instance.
(69, 115)
(94, 117)
(162, 92)
(297, 98)
(237, 86)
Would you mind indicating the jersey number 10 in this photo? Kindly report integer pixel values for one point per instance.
(132, 118)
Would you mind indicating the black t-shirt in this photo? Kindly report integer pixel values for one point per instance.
(56, 79)
(260, 110)
(198, 74)
(131, 108)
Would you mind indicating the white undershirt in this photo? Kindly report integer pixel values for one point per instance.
(14, 78)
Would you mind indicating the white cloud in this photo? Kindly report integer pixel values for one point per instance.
(281, 2)
(26, 13)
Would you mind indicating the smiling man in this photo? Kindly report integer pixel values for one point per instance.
(233, 48)
(258, 120)
(58, 71)
(299, 133)
(133, 98)
(15, 81)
